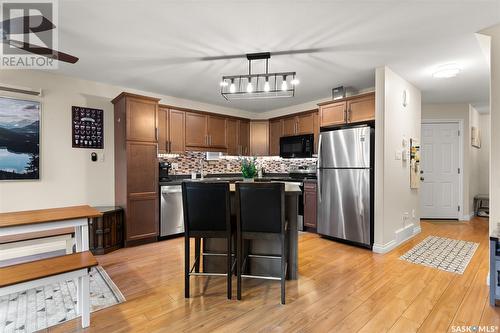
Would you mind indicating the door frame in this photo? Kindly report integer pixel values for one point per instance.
(460, 123)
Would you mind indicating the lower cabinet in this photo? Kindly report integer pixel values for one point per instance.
(106, 232)
(142, 217)
(310, 205)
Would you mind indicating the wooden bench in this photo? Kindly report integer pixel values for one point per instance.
(76, 266)
(36, 243)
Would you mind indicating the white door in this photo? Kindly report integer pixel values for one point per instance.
(440, 170)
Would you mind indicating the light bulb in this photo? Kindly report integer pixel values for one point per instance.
(223, 83)
(232, 87)
(284, 86)
(249, 87)
(267, 87)
(295, 82)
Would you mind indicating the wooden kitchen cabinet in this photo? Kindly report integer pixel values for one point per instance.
(333, 114)
(141, 119)
(310, 204)
(136, 129)
(196, 130)
(289, 126)
(216, 131)
(361, 109)
(259, 138)
(163, 130)
(232, 136)
(305, 123)
(353, 109)
(176, 131)
(275, 133)
(171, 126)
(244, 137)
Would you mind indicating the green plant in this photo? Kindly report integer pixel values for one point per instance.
(248, 168)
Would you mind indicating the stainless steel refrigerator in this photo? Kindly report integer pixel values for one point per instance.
(345, 185)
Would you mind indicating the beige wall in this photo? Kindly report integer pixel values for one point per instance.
(393, 196)
(494, 33)
(68, 177)
(484, 154)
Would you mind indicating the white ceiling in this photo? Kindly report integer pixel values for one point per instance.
(159, 46)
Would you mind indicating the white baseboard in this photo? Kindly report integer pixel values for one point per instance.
(467, 217)
(406, 235)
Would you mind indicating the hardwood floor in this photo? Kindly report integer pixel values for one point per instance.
(341, 289)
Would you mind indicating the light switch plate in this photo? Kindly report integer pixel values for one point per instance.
(397, 155)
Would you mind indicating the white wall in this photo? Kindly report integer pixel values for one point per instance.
(474, 161)
(393, 196)
(68, 177)
(484, 154)
(494, 33)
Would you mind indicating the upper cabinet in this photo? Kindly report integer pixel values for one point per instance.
(141, 119)
(216, 131)
(300, 124)
(205, 131)
(196, 130)
(259, 138)
(232, 136)
(244, 137)
(352, 109)
(275, 133)
(171, 125)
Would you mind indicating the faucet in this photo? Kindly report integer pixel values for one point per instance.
(201, 168)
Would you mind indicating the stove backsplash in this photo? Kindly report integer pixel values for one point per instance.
(190, 162)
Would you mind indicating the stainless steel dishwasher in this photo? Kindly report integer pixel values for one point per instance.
(171, 211)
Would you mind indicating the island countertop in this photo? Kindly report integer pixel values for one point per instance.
(290, 187)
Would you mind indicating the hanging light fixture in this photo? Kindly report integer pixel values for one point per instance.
(262, 85)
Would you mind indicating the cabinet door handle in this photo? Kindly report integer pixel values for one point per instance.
(349, 115)
(156, 134)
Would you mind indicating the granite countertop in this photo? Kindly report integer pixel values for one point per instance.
(290, 187)
(178, 179)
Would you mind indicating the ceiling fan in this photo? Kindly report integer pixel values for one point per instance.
(17, 26)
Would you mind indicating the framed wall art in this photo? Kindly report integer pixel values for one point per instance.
(87, 127)
(19, 139)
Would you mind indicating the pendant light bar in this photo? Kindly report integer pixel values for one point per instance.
(258, 85)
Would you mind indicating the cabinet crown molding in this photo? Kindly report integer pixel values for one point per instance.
(127, 94)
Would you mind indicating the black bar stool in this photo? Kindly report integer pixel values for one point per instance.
(207, 214)
(261, 215)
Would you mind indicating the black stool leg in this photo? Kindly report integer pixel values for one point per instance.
(239, 261)
(283, 268)
(186, 266)
(229, 270)
(197, 254)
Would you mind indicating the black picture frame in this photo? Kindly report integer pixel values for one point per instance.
(87, 127)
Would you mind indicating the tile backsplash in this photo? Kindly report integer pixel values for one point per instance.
(191, 161)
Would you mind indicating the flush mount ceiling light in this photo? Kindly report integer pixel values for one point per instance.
(258, 85)
(446, 71)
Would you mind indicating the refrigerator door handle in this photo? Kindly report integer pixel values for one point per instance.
(318, 175)
(319, 151)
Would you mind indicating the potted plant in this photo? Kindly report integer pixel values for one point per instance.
(248, 168)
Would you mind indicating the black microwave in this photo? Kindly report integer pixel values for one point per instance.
(298, 146)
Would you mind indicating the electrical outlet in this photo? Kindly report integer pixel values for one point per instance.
(175, 166)
(413, 215)
(100, 157)
(228, 166)
(397, 155)
(406, 216)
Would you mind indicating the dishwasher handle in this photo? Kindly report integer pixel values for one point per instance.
(171, 189)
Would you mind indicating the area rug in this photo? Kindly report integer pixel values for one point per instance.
(451, 255)
(39, 308)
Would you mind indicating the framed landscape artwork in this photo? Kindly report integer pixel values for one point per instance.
(19, 139)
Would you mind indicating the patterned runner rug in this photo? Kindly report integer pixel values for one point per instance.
(39, 308)
(451, 255)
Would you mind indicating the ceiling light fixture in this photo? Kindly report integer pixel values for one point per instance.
(262, 85)
(446, 71)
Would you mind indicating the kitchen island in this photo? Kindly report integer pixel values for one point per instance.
(259, 266)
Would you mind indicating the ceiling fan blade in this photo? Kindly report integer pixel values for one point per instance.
(38, 23)
(43, 51)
